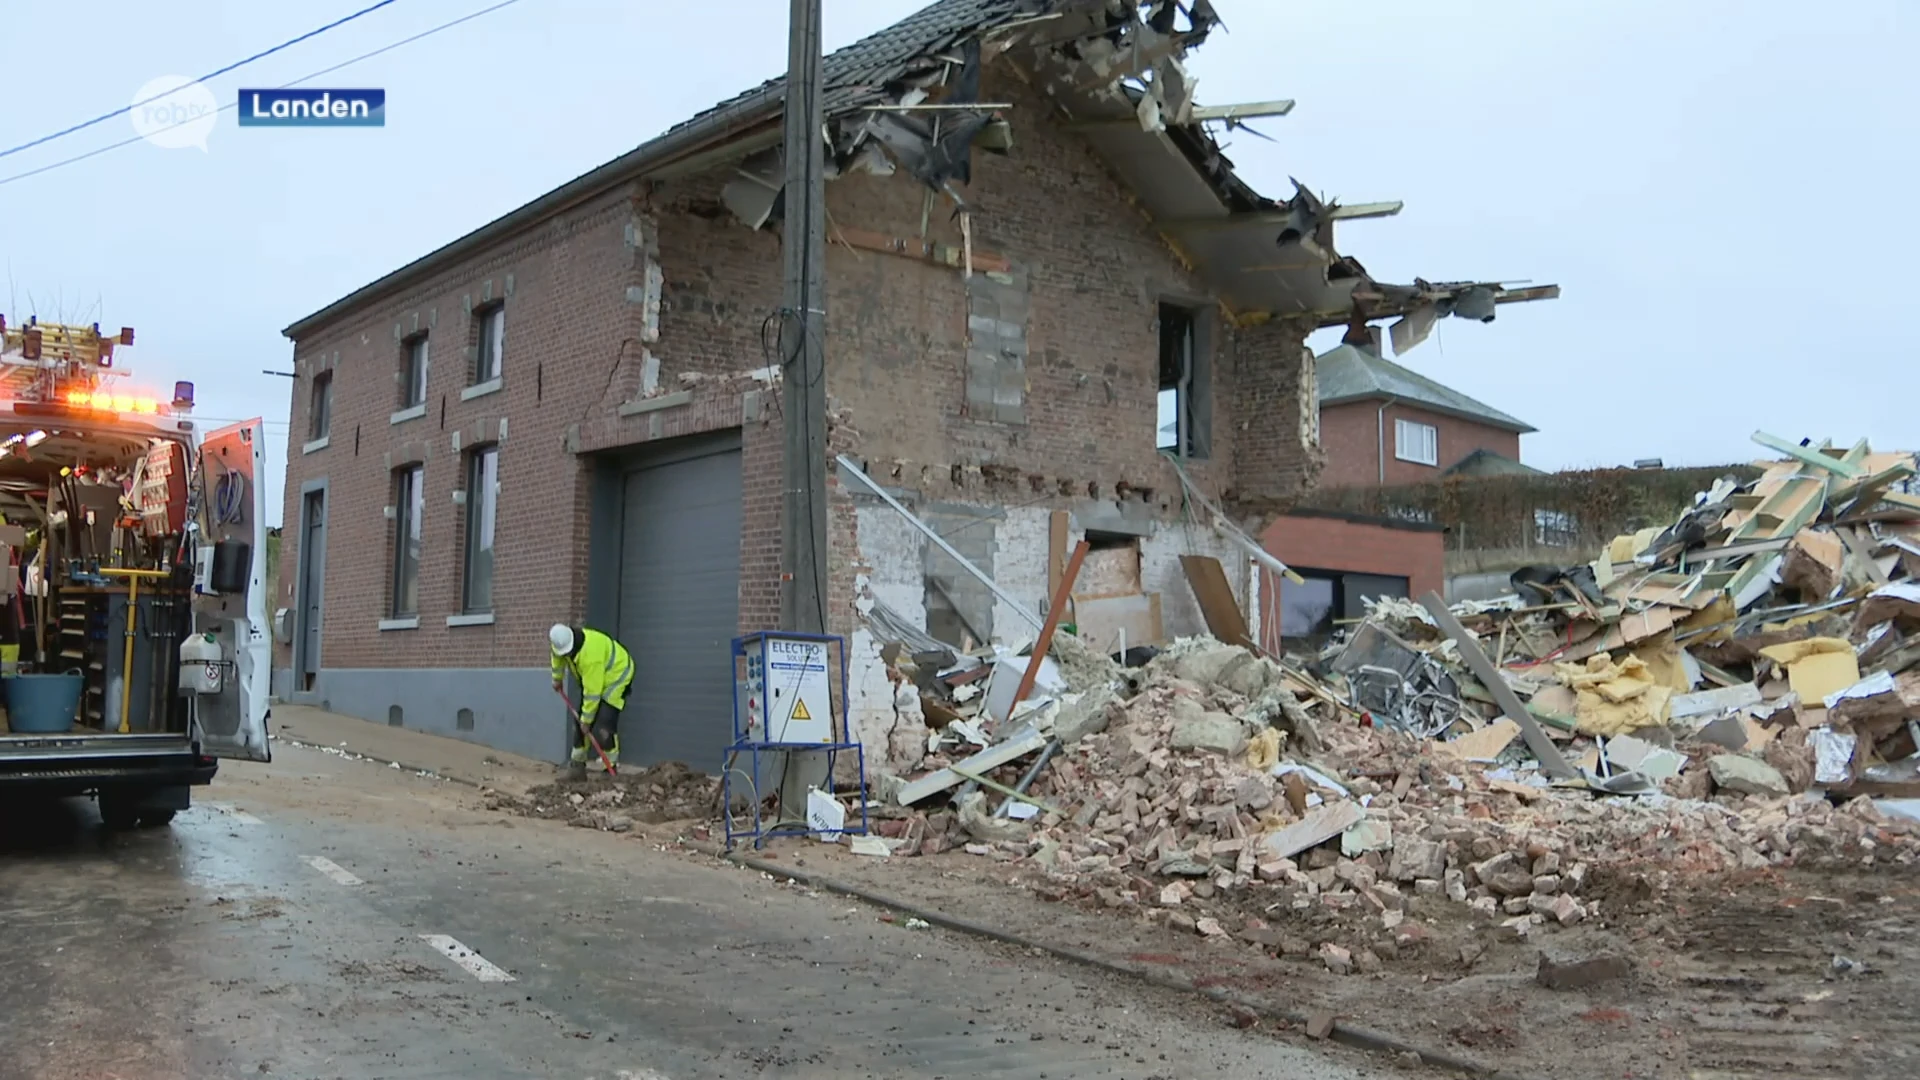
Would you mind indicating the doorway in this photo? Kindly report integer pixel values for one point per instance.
(313, 561)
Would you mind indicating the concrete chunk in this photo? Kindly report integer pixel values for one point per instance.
(1506, 875)
(1415, 859)
(1580, 974)
(1747, 776)
(1214, 733)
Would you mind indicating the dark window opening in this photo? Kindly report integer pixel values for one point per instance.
(320, 407)
(1312, 611)
(1182, 413)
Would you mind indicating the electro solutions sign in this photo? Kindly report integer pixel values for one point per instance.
(313, 108)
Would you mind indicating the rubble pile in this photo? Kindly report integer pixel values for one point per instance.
(668, 791)
(1730, 692)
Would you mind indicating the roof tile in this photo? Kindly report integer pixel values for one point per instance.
(1348, 373)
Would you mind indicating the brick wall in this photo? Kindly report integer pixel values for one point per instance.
(1325, 542)
(580, 292)
(1350, 434)
(1280, 460)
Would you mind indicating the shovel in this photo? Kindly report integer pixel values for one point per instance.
(588, 732)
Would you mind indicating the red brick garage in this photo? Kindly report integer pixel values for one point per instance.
(1344, 558)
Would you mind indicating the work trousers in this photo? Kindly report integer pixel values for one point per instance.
(606, 726)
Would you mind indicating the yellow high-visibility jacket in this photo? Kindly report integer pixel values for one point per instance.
(604, 668)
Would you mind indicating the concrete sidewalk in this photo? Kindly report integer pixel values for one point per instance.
(468, 763)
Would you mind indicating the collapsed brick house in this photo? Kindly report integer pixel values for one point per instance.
(572, 412)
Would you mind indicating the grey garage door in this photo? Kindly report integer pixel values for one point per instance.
(680, 608)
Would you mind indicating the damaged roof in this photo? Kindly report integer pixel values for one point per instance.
(859, 73)
(1114, 70)
(1350, 373)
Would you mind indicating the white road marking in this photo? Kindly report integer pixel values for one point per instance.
(332, 869)
(478, 966)
(236, 814)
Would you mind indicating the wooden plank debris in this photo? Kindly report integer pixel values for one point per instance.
(1807, 455)
(1209, 582)
(1054, 611)
(1104, 621)
(1318, 827)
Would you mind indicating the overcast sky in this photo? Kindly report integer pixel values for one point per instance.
(1714, 183)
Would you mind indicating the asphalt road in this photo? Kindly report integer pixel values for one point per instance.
(323, 917)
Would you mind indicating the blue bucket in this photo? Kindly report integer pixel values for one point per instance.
(43, 704)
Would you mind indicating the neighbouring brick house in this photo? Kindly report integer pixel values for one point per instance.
(572, 411)
(1382, 425)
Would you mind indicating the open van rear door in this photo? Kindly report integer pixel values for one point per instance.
(230, 590)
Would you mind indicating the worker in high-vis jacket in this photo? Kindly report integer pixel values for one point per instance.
(604, 669)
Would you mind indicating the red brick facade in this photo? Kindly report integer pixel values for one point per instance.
(1352, 434)
(577, 348)
(1327, 542)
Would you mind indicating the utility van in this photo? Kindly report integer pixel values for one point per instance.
(134, 646)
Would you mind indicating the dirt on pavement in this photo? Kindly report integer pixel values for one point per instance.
(1795, 973)
(665, 792)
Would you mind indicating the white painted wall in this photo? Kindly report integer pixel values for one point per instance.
(886, 720)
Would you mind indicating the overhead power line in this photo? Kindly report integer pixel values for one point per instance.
(235, 104)
(125, 109)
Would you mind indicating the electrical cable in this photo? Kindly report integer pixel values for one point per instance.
(230, 499)
(236, 104)
(123, 110)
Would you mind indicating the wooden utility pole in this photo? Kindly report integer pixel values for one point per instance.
(803, 328)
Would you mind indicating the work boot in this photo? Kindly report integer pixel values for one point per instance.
(576, 770)
(613, 757)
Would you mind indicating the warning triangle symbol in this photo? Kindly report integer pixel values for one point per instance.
(799, 710)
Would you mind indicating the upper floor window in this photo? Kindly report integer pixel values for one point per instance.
(492, 346)
(413, 371)
(1182, 411)
(320, 406)
(1416, 442)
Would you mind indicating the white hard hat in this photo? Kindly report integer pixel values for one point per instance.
(561, 638)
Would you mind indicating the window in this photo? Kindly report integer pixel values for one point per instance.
(1306, 608)
(493, 343)
(1416, 442)
(1182, 413)
(409, 502)
(1554, 528)
(413, 372)
(483, 501)
(320, 406)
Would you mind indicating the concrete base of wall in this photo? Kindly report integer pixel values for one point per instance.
(1488, 586)
(512, 709)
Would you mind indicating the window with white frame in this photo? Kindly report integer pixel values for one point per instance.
(483, 502)
(1554, 528)
(320, 406)
(492, 346)
(413, 371)
(409, 506)
(1416, 442)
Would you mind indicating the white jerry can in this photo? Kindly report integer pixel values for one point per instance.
(200, 664)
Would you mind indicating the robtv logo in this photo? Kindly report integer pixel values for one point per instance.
(313, 108)
(174, 112)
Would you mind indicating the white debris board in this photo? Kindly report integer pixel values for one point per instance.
(799, 691)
